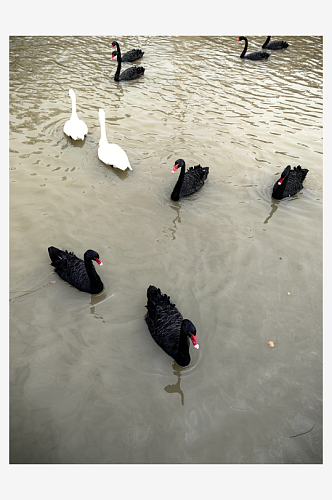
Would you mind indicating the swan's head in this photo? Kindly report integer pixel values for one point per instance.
(241, 38)
(101, 114)
(178, 164)
(92, 255)
(114, 53)
(115, 44)
(72, 93)
(190, 330)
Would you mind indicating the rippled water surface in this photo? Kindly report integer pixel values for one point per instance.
(87, 382)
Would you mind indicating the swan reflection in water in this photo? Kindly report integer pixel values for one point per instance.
(98, 299)
(274, 206)
(176, 387)
(177, 218)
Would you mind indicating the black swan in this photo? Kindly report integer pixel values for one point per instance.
(188, 182)
(290, 182)
(128, 74)
(168, 328)
(131, 55)
(80, 274)
(254, 56)
(279, 44)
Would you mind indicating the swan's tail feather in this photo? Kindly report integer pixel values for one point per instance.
(302, 171)
(156, 298)
(54, 254)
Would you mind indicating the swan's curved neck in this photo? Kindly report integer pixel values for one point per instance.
(183, 356)
(103, 138)
(245, 47)
(177, 188)
(281, 186)
(95, 282)
(117, 74)
(266, 42)
(73, 106)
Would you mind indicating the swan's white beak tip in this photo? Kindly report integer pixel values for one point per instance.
(196, 346)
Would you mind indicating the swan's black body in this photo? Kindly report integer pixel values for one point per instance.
(254, 56)
(168, 328)
(290, 182)
(277, 45)
(80, 274)
(128, 74)
(131, 55)
(188, 182)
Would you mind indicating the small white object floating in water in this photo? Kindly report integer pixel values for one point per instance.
(75, 128)
(110, 154)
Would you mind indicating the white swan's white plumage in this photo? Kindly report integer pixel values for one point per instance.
(75, 128)
(111, 154)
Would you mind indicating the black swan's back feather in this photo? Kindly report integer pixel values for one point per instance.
(290, 182)
(276, 45)
(165, 322)
(193, 180)
(256, 56)
(132, 55)
(74, 270)
(132, 73)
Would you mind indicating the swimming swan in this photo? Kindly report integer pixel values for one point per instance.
(75, 128)
(111, 154)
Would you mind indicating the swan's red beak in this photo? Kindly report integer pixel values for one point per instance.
(237, 40)
(99, 262)
(194, 341)
(112, 54)
(175, 168)
(280, 181)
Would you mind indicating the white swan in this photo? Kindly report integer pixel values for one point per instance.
(111, 154)
(75, 128)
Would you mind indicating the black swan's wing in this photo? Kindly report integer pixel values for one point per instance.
(163, 320)
(294, 181)
(70, 268)
(132, 73)
(278, 44)
(257, 56)
(132, 55)
(193, 180)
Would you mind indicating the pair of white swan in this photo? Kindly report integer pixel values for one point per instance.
(110, 154)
